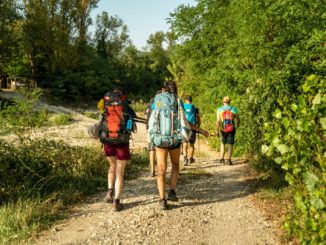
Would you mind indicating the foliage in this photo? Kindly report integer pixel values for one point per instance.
(91, 114)
(22, 115)
(63, 119)
(301, 153)
(39, 178)
(139, 106)
(261, 53)
(49, 42)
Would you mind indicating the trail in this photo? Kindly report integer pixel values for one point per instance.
(214, 207)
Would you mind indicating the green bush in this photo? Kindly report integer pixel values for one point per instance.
(296, 142)
(139, 106)
(92, 115)
(43, 167)
(63, 119)
(23, 114)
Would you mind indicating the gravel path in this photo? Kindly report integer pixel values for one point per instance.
(214, 208)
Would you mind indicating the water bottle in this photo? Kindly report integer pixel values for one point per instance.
(129, 125)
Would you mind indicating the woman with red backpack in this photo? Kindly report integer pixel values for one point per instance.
(116, 127)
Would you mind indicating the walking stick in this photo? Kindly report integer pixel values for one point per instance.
(198, 144)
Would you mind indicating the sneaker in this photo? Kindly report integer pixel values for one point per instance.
(192, 160)
(185, 161)
(172, 196)
(221, 161)
(228, 162)
(163, 204)
(109, 196)
(117, 205)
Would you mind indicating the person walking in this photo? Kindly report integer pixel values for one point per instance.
(225, 126)
(193, 117)
(116, 127)
(164, 132)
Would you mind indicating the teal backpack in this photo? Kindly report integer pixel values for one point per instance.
(164, 129)
(190, 111)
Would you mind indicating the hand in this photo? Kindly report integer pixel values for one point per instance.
(206, 134)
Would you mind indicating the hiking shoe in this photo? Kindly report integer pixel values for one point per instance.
(172, 196)
(185, 161)
(109, 196)
(221, 161)
(228, 162)
(163, 204)
(192, 160)
(117, 205)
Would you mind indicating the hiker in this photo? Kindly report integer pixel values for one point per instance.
(164, 131)
(151, 147)
(116, 127)
(193, 117)
(225, 117)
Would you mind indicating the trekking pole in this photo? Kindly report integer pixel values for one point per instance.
(198, 145)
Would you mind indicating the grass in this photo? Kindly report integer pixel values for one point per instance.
(138, 164)
(139, 106)
(24, 217)
(63, 119)
(91, 114)
(275, 198)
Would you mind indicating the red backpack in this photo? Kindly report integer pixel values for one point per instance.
(227, 121)
(116, 120)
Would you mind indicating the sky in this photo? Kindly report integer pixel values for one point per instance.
(143, 17)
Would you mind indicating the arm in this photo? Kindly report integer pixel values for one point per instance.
(218, 120)
(199, 129)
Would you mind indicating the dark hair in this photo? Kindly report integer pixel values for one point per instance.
(170, 86)
(188, 97)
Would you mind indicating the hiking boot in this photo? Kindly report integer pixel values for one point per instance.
(221, 161)
(192, 160)
(228, 162)
(117, 205)
(163, 204)
(172, 196)
(109, 196)
(185, 161)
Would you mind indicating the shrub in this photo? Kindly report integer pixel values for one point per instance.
(296, 140)
(63, 119)
(92, 115)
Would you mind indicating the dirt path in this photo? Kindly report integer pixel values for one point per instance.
(214, 208)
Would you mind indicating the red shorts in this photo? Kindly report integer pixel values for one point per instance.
(120, 152)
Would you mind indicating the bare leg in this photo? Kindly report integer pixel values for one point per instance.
(185, 149)
(161, 155)
(175, 156)
(191, 150)
(120, 170)
(230, 148)
(111, 172)
(152, 162)
(222, 151)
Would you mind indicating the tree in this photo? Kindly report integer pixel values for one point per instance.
(9, 29)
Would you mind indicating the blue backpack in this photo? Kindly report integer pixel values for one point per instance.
(190, 111)
(164, 129)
